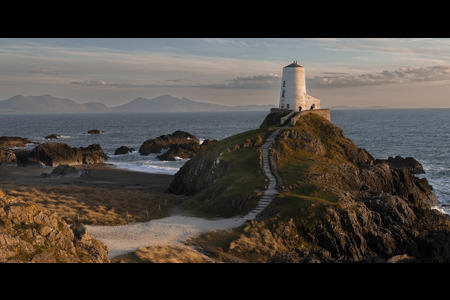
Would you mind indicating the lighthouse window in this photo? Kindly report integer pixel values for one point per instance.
(284, 83)
(282, 93)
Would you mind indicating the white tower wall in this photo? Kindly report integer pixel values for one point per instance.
(293, 89)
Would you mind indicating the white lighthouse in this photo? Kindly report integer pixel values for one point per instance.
(293, 94)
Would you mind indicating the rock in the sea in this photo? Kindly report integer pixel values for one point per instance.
(123, 150)
(30, 233)
(13, 141)
(53, 154)
(165, 141)
(52, 136)
(184, 151)
(94, 131)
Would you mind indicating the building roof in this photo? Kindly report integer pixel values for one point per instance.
(294, 65)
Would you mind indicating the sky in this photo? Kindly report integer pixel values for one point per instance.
(362, 72)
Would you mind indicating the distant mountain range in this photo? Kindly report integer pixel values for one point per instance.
(345, 107)
(165, 103)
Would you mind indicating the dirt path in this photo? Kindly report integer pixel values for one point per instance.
(174, 230)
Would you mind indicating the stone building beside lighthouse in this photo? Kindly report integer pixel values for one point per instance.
(293, 94)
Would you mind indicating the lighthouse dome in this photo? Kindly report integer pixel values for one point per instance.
(294, 65)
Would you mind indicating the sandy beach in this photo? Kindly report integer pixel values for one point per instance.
(128, 211)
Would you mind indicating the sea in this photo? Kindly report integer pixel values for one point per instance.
(420, 133)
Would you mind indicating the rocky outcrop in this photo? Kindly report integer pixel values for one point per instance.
(123, 150)
(208, 166)
(94, 131)
(12, 142)
(31, 234)
(409, 163)
(52, 136)
(178, 145)
(338, 204)
(54, 154)
(185, 151)
(166, 141)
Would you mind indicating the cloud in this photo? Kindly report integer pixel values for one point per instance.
(269, 81)
(251, 82)
(42, 71)
(399, 76)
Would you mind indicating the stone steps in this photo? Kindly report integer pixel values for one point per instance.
(270, 193)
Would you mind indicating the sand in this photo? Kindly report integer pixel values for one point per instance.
(171, 231)
(103, 198)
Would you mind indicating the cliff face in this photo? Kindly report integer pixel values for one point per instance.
(339, 204)
(225, 178)
(30, 233)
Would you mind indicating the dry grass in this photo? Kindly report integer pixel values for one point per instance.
(94, 205)
(162, 254)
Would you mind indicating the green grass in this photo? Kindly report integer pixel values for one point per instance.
(237, 191)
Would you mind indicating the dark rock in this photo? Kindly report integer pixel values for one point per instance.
(66, 171)
(409, 163)
(93, 154)
(123, 150)
(52, 136)
(94, 131)
(166, 141)
(11, 142)
(54, 154)
(185, 151)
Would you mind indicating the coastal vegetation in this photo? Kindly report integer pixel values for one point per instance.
(225, 179)
(337, 204)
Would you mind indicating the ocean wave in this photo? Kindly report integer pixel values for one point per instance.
(147, 168)
(442, 210)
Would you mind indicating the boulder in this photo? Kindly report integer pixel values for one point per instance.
(93, 154)
(123, 150)
(94, 131)
(15, 141)
(65, 171)
(184, 151)
(53, 154)
(52, 136)
(165, 141)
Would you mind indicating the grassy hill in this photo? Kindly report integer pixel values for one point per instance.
(337, 203)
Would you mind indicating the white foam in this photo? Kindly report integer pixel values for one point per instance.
(440, 209)
(146, 168)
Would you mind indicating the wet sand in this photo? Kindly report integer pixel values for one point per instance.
(101, 175)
